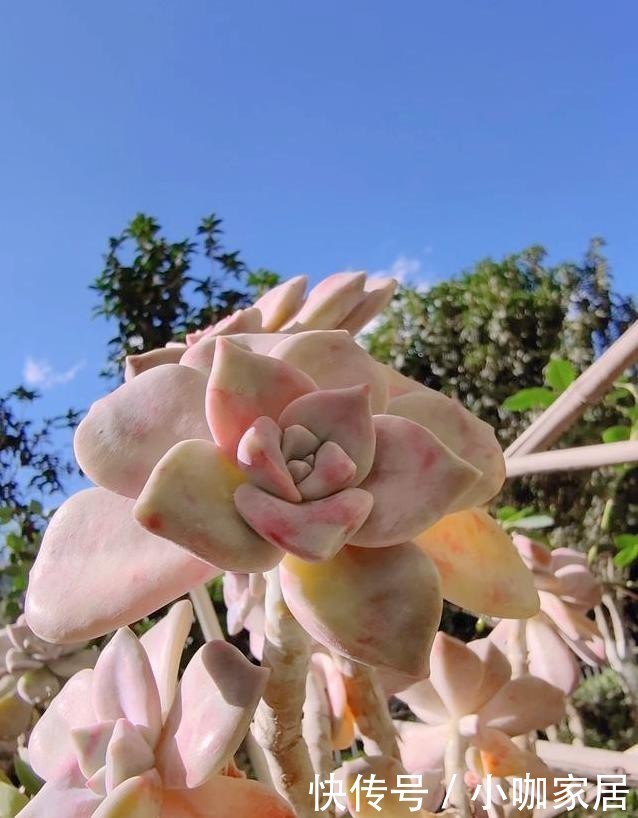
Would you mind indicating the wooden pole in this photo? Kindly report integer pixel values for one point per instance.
(586, 391)
(582, 457)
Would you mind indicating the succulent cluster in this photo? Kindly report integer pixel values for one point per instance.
(273, 444)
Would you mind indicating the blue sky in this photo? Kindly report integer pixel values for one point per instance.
(327, 135)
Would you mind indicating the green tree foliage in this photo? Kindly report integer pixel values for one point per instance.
(33, 470)
(494, 328)
(149, 288)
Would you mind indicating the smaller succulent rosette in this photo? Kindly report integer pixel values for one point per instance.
(128, 739)
(470, 690)
(32, 672)
(562, 633)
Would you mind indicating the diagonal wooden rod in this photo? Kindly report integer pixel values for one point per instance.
(581, 457)
(586, 391)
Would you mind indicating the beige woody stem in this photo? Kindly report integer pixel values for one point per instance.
(517, 652)
(455, 769)
(584, 392)
(278, 720)
(206, 614)
(317, 729)
(369, 707)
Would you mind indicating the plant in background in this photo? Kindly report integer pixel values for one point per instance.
(150, 288)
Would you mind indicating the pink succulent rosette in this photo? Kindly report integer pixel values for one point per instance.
(470, 690)
(263, 449)
(126, 739)
(562, 632)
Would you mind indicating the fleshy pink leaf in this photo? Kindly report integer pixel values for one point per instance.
(215, 702)
(329, 302)
(425, 702)
(136, 364)
(189, 500)
(200, 355)
(456, 674)
(90, 745)
(97, 569)
(51, 746)
(414, 480)
(466, 435)
(496, 669)
(124, 686)
(71, 800)
(380, 606)
(377, 295)
(313, 530)
(164, 644)
(522, 705)
(549, 657)
(139, 797)
(422, 746)
(341, 416)
(480, 568)
(500, 757)
(280, 304)
(334, 361)
(127, 755)
(332, 471)
(342, 721)
(125, 433)
(259, 456)
(244, 386)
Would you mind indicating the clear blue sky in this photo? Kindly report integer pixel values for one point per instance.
(327, 134)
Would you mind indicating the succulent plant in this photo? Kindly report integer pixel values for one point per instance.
(470, 693)
(32, 671)
(126, 739)
(561, 632)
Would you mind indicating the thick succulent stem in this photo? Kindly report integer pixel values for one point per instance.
(519, 660)
(369, 707)
(517, 653)
(206, 614)
(317, 729)
(278, 719)
(455, 769)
